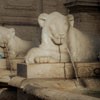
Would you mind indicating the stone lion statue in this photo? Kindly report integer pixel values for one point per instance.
(16, 46)
(59, 34)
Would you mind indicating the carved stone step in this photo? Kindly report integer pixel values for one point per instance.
(58, 70)
(13, 63)
(52, 89)
(5, 75)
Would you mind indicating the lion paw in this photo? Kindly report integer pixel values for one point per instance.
(44, 59)
(29, 60)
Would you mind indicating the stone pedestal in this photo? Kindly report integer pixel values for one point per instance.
(87, 17)
(58, 70)
(86, 13)
(33, 89)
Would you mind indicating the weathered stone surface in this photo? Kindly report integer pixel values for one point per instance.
(41, 70)
(55, 94)
(22, 15)
(53, 40)
(3, 63)
(86, 13)
(15, 46)
(60, 40)
(27, 32)
(58, 70)
(21, 95)
(8, 94)
(84, 69)
(53, 5)
(16, 81)
(62, 84)
(70, 3)
(1, 50)
(68, 71)
(28, 9)
(14, 62)
(47, 88)
(5, 75)
(88, 69)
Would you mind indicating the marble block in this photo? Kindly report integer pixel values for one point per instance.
(41, 70)
(58, 70)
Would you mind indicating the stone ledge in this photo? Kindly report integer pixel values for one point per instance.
(82, 3)
(41, 70)
(83, 6)
(13, 63)
(91, 87)
(58, 70)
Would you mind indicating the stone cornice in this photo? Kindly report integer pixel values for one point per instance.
(82, 3)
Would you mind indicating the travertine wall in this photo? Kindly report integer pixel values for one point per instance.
(87, 17)
(54, 5)
(89, 23)
(22, 15)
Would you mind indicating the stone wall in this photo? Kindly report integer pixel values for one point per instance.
(22, 15)
(54, 5)
(87, 17)
(86, 13)
(89, 23)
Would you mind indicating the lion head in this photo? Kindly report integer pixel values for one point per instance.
(56, 26)
(6, 34)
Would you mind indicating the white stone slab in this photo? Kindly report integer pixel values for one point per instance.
(41, 70)
(58, 70)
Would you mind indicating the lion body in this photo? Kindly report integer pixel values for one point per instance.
(59, 36)
(16, 46)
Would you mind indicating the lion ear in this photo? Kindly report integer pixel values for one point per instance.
(42, 18)
(71, 19)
